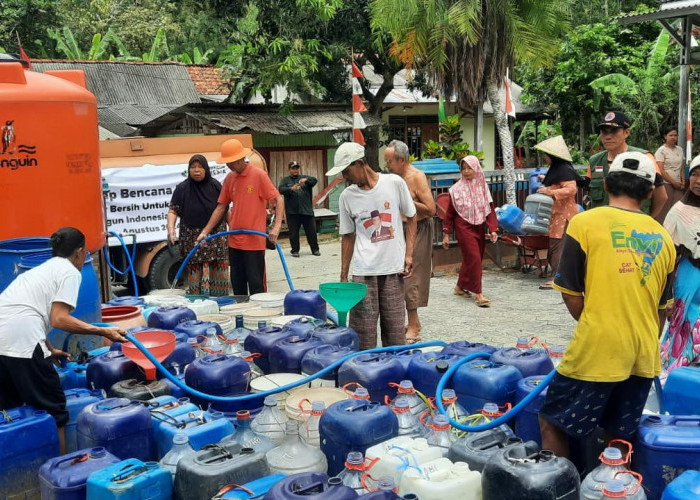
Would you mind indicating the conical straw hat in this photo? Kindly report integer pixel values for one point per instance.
(555, 146)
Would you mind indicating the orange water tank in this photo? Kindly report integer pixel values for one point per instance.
(49, 154)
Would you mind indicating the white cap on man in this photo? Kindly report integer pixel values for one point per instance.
(346, 154)
(634, 163)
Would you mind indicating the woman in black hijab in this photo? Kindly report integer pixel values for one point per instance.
(193, 202)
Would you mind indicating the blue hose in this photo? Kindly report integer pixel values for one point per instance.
(306, 380)
(129, 260)
(235, 231)
(497, 421)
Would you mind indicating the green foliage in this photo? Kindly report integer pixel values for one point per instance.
(450, 146)
(29, 20)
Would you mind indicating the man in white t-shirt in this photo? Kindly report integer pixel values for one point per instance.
(372, 230)
(30, 306)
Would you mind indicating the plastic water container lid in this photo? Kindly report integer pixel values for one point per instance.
(98, 452)
(612, 453)
(614, 486)
(243, 415)
(449, 394)
(335, 481)
(490, 408)
(401, 402)
(180, 438)
(556, 350)
(405, 385)
(270, 400)
(441, 421)
(523, 342)
(318, 406)
(355, 458)
(386, 483)
(361, 393)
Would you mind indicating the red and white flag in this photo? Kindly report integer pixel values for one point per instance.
(22, 54)
(358, 123)
(510, 109)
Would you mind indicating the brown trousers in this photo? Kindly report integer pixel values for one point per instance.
(384, 301)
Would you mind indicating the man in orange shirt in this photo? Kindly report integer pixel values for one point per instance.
(249, 189)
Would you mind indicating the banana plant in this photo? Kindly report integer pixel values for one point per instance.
(159, 49)
(66, 43)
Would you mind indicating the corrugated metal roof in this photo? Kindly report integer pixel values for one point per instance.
(127, 83)
(668, 10)
(298, 122)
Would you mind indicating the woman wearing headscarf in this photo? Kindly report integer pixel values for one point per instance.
(560, 183)
(471, 214)
(193, 202)
(680, 344)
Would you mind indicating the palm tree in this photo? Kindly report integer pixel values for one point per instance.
(466, 46)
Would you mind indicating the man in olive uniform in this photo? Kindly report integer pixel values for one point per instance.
(614, 131)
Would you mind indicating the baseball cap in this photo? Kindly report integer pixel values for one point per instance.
(347, 153)
(615, 119)
(635, 163)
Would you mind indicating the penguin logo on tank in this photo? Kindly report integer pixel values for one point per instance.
(18, 155)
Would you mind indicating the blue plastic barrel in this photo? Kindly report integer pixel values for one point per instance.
(305, 302)
(684, 487)
(373, 371)
(529, 362)
(76, 400)
(477, 382)
(65, 477)
(682, 391)
(11, 251)
(312, 485)
(510, 218)
(88, 308)
(527, 426)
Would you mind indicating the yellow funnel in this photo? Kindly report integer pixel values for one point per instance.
(343, 296)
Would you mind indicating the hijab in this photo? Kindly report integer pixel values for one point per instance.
(683, 224)
(560, 171)
(197, 200)
(472, 198)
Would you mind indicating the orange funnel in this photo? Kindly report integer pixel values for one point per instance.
(160, 343)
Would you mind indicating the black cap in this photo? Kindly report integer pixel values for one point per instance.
(442, 366)
(615, 119)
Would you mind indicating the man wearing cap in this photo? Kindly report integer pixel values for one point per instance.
(296, 189)
(615, 276)
(249, 189)
(372, 209)
(614, 131)
(417, 286)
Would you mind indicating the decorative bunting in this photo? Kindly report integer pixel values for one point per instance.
(356, 71)
(358, 121)
(358, 137)
(356, 87)
(357, 105)
(689, 132)
(510, 109)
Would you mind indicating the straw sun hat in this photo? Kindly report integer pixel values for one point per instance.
(555, 146)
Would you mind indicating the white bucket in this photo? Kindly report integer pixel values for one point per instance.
(226, 323)
(274, 380)
(283, 320)
(328, 395)
(166, 300)
(168, 291)
(240, 308)
(253, 316)
(268, 299)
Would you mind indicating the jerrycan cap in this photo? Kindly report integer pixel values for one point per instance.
(406, 387)
(243, 415)
(335, 481)
(401, 405)
(262, 324)
(386, 483)
(318, 407)
(448, 394)
(556, 351)
(614, 488)
(442, 366)
(355, 458)
(98, 452)
(441, 423)
(612, 456)
(361, 393)
(523, 343)
(270, 400)
(490, 409)
(180, 438)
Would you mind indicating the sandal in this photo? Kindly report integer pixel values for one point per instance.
(413, 340)
(462, 293)
(483, 303)
(547, 286)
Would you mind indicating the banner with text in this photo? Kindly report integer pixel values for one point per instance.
(137, 198)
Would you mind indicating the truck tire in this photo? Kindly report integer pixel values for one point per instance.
(163, 268)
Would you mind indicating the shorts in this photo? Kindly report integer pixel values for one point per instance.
(34, 382)
(578, 406)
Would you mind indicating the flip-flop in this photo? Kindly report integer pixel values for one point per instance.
(546, 286)
(462, 293)
(413, 340)
(483, 303)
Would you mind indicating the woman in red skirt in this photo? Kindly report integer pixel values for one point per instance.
(471, 214)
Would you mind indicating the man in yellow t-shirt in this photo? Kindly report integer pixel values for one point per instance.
(614, 279)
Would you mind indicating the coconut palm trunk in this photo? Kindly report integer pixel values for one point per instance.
(499, 116)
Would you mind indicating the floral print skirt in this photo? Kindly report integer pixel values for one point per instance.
(680, 344)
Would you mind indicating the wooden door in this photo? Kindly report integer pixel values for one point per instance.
(311, 162)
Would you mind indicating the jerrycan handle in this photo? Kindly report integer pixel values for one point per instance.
(127, 472)
(221, 454)
(115, 404)
(230, 487)
(636, 475)
(626, 458)
(301, 406)
(73, 460)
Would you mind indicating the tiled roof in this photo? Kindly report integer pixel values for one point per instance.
(208, 80)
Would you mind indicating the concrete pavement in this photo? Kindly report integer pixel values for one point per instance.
(519, 307)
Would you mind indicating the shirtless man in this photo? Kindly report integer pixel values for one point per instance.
(417, 287)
